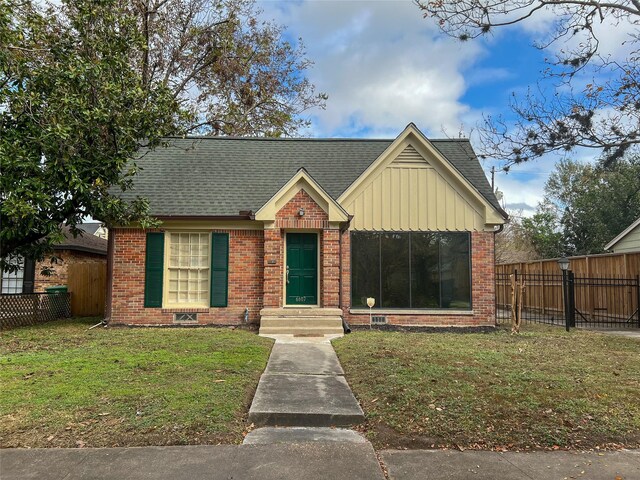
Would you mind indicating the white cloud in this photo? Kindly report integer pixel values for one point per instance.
(382, 66)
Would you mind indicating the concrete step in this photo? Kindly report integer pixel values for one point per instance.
(311, 330)
(301, 322)
(297, 435)
(301, 312)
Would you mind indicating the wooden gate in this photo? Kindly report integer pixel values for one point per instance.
(87, 284)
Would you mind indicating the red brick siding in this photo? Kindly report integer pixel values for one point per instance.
(273, 264)
(331, 268)
(314, 216)
(246, 249)
(60, 270)
(482, 293)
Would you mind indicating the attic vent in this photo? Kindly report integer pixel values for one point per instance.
(410, 156)
(185, 317)
(378, 320)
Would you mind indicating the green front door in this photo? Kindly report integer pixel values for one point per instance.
(302, 269)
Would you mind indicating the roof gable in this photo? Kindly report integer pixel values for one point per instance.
(623, 234)
(412, 148)
(302, 181)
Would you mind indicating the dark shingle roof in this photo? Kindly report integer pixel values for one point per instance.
(90, 227)
(82, 243)
(221, 176)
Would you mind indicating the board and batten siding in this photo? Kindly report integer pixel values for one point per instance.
(412, 195)
(630, 242)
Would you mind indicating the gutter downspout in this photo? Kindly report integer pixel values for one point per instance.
(343, 229)
(495, 297)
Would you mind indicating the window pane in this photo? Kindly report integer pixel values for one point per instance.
(189, 268)
(365, 268)
(425, 281)
(455, 281)
(12, 281)
(394, 252)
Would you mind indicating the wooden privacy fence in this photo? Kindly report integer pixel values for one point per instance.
(87, 284)
(608, 265)
(19, 310)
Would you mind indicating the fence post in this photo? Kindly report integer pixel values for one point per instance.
(638, 297)
(571, 289)
(515, 297)
(565, 300)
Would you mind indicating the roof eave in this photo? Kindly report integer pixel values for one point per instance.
(622, 234)
(79, 248)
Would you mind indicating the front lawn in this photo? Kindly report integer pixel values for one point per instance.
(62, 385)
(544, 388)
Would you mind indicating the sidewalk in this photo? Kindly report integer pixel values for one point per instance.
(454, 465)
(312, 461)
(283, 461)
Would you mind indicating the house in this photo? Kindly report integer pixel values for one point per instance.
(29, 278)
(95, 228)
(296, 234)
(627, 241)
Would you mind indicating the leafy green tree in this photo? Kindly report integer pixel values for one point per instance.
(543, 231)
(586, 206)
(73, 112)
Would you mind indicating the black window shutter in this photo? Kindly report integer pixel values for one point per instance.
(154, 269)
(29, 275)
(219, 269)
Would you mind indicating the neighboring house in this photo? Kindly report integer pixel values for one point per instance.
(627, 241)
(29, 278)
(298, 233)
(95, 228)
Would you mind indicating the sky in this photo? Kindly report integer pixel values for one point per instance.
(383, 66)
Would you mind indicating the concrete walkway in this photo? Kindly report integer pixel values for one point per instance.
(310, 461)
(454, 465)
(318, 461)
(304, 386)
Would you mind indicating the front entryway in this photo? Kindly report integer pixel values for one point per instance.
(301, 277)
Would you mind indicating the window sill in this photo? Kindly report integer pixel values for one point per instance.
(409, 311)
(184, 309)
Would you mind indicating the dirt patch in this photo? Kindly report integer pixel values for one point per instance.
(383, 437)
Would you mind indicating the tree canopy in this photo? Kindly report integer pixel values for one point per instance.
(74, 112)
(85, 84)
(235, 73)
(584, 99)
(585, 207)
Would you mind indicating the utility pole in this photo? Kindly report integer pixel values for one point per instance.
(493, 178)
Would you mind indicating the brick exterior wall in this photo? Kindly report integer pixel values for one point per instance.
(246, 252)
(256, 274)
(59, 275)
(482, 290)
(314, 216)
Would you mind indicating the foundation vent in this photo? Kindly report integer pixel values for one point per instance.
(185, 317)
(379, 320)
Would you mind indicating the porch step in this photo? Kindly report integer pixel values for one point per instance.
(301, 321)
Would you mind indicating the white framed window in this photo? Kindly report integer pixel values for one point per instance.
(12, 282)
(188, 268)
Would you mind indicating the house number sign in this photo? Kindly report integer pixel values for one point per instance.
(301, 299)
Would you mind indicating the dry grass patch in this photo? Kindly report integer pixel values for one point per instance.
(544, 388)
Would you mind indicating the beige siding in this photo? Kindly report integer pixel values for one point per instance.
(630, 242)
(410, 194)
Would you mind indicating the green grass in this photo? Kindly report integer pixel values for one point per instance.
(543, 388)
(63, 385)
